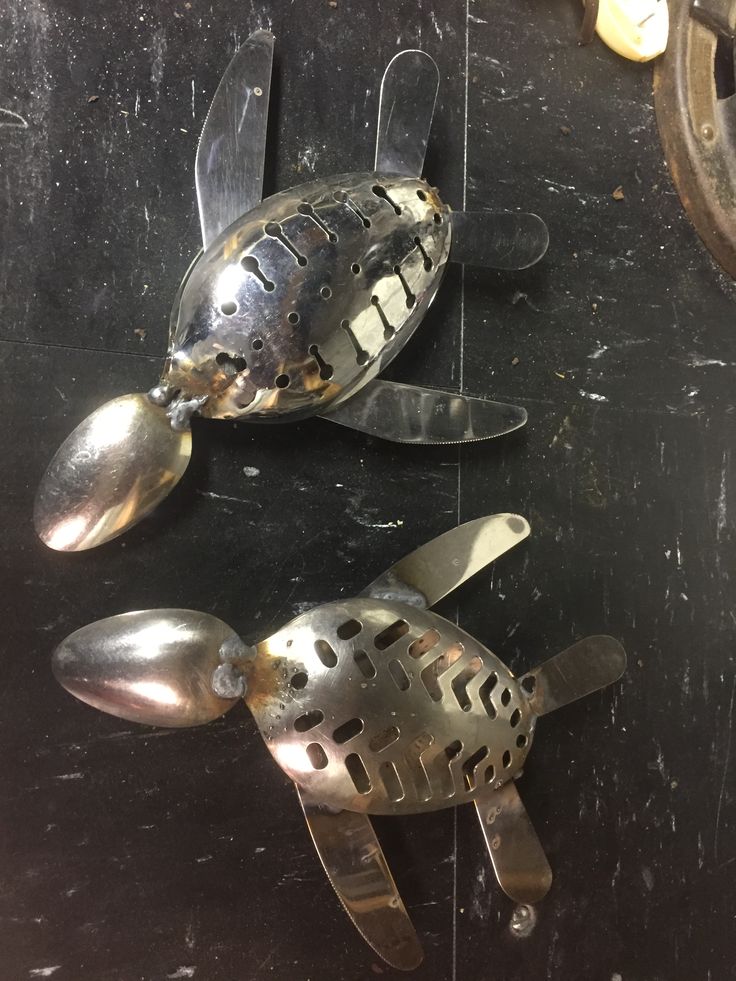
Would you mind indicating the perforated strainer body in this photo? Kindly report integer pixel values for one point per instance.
(304, 299)
(374, 706)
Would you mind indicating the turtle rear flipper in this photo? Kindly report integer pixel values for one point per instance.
(517, 856)
(408, 94)
(498, 240)
(409, 414)
(357, 869)
(584, 668)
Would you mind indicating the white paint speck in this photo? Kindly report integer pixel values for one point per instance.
(44, 972)
(593, 396)
(251, 471)
(186, 971)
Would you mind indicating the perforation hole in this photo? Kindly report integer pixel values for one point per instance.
(326, 370)
(421, 195)
(348, 730)
(453, 750)
(399, 675)
(305, 208)
(293, 318)
(382, 193)
(470, 764)
(364, 664)
(257, 344)
(229, 308)
(506, 759)
(391, 781)
(521, 740)
(484, 693)
(391, 634)
(282, 381)
(433, 672)
(427, 261)
(355, 268)
(515, 718)
(489, 774)
(349, 629)
(308, 721)
(383, 739)
(252, 266)
(235, 362)
(325, 292)
(358, 773)
(461, 682)
(424, 643)
(325, 653)
(437, 218)
(317, 756)
(299, 680)
(529, 684)
(505, 697)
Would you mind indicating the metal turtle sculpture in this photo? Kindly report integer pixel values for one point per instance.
(294, 306)
(372, 705)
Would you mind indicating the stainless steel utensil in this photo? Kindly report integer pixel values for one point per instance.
(372, 705)
(296, 303)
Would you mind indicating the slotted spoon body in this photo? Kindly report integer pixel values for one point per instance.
(377, 707)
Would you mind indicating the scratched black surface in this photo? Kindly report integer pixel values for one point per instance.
(135, 854)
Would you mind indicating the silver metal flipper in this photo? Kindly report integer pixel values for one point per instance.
(408, 94)
(502, 240)
(579, 670)
(517, 855)
(232, 147)
(433, 570)
(408, 414)
(356, 867)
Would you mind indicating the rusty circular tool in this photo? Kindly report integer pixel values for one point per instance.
(695, 102)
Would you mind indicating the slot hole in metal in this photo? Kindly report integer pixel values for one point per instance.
(348, 730)
(251, 265)
(317, 756)
(364, 664)
(349, 629)
(391, 634)
(428, 640)
(382, 193)
(399, 675)
(358, 773)
(308, 721)
(325, 653)
(383, 739)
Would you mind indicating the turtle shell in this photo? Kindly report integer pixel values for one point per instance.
(378, 707)
(308, 296)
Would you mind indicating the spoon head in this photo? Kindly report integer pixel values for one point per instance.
(116, 466)
(152, 666)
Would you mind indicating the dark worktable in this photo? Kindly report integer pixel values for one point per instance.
(131, 853)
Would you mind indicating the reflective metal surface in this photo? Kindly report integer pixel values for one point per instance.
(517, 856)
(308, 296)
(116, 466)
(153, 666)
(501, 240)
(433, 570)
(356, 867)
(232, 147)
(407, 414)
(408, 94)
(579, 670)
(409, 713)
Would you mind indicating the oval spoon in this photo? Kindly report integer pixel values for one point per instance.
(116, 466)
(158, 667)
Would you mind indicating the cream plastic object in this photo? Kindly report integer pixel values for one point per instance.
(635, 29)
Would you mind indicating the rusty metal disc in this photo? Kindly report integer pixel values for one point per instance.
(695, 102)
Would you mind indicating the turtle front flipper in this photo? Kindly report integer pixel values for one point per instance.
(498, 240)
(232, 147)
(407, 414)
(517, 856)
(356, 866)
(436, 568)
(408, 94)
(584, 668)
